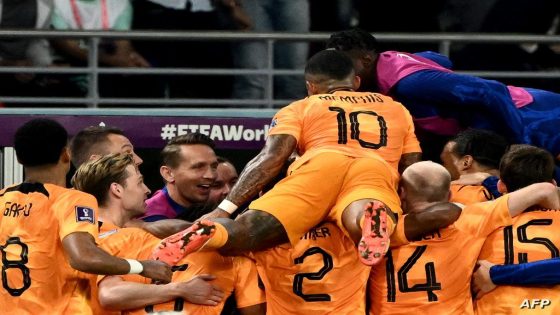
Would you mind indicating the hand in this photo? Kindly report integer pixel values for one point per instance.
(481, 282)
(156, 270)
(199, 290)
(471, 179)
(217, 213)
(138, 60)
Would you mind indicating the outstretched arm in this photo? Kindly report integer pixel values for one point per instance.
(260, 171)
(540, 194)
(452, 91)
(488, 276)
(161, 228)
(84, 255)
(118, 294)
(430, 220)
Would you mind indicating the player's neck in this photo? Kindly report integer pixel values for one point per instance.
(113, 214)
(481, 169)
(177, 197)
(46, 175)
(418, 206)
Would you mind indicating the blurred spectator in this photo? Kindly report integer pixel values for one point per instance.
(100, 15)
(21, 52)
(273, 16)
(190, 15)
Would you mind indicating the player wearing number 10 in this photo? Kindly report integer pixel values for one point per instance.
(342, 137)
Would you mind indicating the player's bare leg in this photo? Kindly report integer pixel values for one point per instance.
(369, 223)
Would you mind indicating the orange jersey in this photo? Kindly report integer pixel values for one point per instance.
(433, 276)
(534, 235)
(36, 276)
(321, 274)
(352, 123)
(130, 243)
(467, 194)
(235, 275)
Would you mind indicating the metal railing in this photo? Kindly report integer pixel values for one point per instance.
(93, 99)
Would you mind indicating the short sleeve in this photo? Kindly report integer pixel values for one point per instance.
(246, 287)
(130, 243)
(410, 143)
(287, 121)
(76, 211)
(481, 219)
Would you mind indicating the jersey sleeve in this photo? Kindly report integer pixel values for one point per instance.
(481, 219)
(287, 121)
(130, 243)
(411, 143)
(76, 211)
(246, 288)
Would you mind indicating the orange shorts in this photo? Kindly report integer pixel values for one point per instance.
(321, 188)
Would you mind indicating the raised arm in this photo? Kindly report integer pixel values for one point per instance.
(259, 171)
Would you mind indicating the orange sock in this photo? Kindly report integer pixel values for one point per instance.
(219, 239)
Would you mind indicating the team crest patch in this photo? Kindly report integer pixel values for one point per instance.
(274, 122)
(85, 214)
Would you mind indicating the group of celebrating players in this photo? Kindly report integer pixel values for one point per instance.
(358, 223)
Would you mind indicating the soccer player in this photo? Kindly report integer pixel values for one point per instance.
(531, 236)
(96, 141)
(443, 102)
(189, 170)
(472, 158)
(119, 187)
(432, 275)
(341, 136)
(226, 177)
(47, 231)
(320, 274)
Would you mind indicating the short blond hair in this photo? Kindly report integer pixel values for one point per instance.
(95, 177)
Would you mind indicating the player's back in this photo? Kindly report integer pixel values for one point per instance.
(353, 123)
(532, 236)
(432, 276)
(321, 274)
(37, 278)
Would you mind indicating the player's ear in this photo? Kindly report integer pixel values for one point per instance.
(311, 88)
(466, 162)
(116, 189)
(356, 83)
(65, 155)
(502, 187)
(167, 174)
